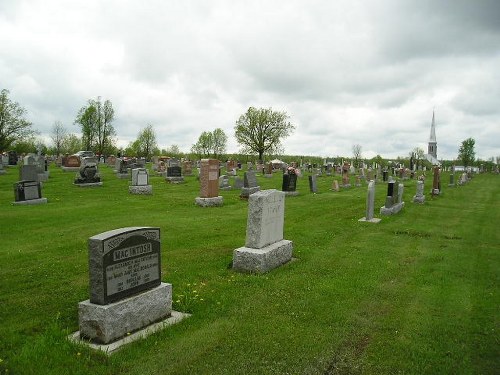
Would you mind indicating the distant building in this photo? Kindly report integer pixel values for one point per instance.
(431, 155)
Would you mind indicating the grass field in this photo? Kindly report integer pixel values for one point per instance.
(415, 294)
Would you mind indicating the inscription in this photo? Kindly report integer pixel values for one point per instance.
(132, 273)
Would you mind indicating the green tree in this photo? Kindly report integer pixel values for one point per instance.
(261, 130)
(95, 120)
(356, 152)
(71, 144)
(211, 144)
(58, 134)
(219, 143)
(13, 124)
(146, 142)
(466, 152)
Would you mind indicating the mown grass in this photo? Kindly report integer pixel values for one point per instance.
(416, 293)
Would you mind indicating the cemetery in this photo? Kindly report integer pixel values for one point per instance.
(247, 279)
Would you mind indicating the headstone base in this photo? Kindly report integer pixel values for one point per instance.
(174, 180)
(246, 192)
(70, 169)
(107, 323)
(417, 199)
(89, 184)
(225, 188)
(435, 192)
(373, 220)
(291, 193)
(346, 186)
(209, 202)
(246, 259)
(123, 176)
(31, 202)
(268, 176)
(141, 189)
(392, 210)
(451, 185)
(43, 176)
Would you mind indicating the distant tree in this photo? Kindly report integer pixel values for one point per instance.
(418, 154)
(146, 142)
(58, 134)
(219, 143)
(13, 124)
(261, 130)
(25, 146)
(356, 152)
(466, 152)
(95, 121)
(173, 150)
(203, 146)
(210, 144)
(71, 144)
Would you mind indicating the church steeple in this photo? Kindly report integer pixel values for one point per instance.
(432, 147)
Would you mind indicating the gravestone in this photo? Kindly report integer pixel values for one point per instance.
(224, 183)
(358, 181)
(394, 200)
(436, 182)
(28, 173)
(4, 159)
(140, 182)
(71, 163)
(335, 185)
(2, 171)
(385, 175)
(126, 292)
(269, 170)
(238, 183)
(28, 193)
(289, 184)
(12, 158)
(313, 185)
(370, 204)
(187, 168)
(174, 174)
(346, 167)
(41, 167)
(265, 248)
(452, 180)
(463, 179)
(419, 196)
(249, 184)
(88, 175)
(122, 170)
(209, 184)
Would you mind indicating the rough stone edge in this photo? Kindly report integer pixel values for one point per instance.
(393, 210)
(420, 200)
(141, 189)
(70, 169)
(174, 318)
(291, 193)
(209, 202)
(375, 220)
(31, 202)
(174, 180)
(262, 260)
(122, 176)
(90, 184)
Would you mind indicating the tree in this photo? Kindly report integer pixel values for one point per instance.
(261, 130)
(466, 152)
(146, 142)
(418, 154)
(356, 152)
(211, 144)
(58, 134)
(13, 124)
(71, 144)
(95, 122)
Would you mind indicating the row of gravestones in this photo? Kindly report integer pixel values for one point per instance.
(126, 289)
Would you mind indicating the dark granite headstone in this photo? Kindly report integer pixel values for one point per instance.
(123, 262)
(12, 158)
(289, 182)
(313, 186)
(27, 190)
(249, 179)
(175, 171)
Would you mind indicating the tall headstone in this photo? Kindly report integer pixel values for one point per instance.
(28, 193)
(370, 204)
(419, 196)
(452, 180)
(209, 184)
(436, 182)
(88, 175)
(289, 184)
(250, 184)
(265, 248)
(335, 185)
(126, 292)
(187, 168)
(313, 184)
(346, 167)
(12, 158)
(140, 182)
(394, 200)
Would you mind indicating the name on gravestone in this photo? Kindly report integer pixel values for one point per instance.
(27, 190)
(123, 263)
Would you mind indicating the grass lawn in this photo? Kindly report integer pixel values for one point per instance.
(415, 294)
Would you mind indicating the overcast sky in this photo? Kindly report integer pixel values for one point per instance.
(347, 72)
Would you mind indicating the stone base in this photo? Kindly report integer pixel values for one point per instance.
(175, 318)
(70, 169)
(225, 188)
(89, 184)
(291, 193)
(141, 189)
(43, 176)
(392, 210)
(107, 323)
(31, 202)
(417, 199)
(123, 176)
(373, 220)
(209, 202)
(451, 185)
(174, 180)
(435, 192)
(246, 259)
(247, 191)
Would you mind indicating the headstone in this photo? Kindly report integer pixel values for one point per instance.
(452, 180)
(28, 173)
(394, 200)
(249, 184)
(209, 184)
(419, 197)
(140, 182)
(88, 175)
(269, 170)
(265, 248)
(72, 163)
(436, 182)
(335, 185)
(238, 183)
(5, 159)
(345, 175)
(174, 174)
(187, 168)
(224, 182)
(370, 204)
(126, 292)
(313, 185)
(385, 175)
(12, 158)
(2, 171)
(28, 192)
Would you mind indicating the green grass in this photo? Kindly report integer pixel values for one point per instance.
(415, 294)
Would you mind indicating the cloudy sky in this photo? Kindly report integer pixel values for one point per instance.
(347, 72)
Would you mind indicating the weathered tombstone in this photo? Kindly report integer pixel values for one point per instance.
(313, 185)
(394, 200)
(436, 182)
(419, 196)
(249, 184)
(88, 175)
(452, 180)
(12, 158)
(238, 183)
(370, 204)
(265, 248)
(289, 184)
(111, 161)
(140, 182)
(5, 159)
(385, 175)
(224, 183)
(269, 170)
(209, 184)
(174, 174)
(187, 168)
(28, 172)
(72, 163)
(346, 167)
(126, 292)
(463, 179)
(335, 185)
(28, 192)
(358, 181)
